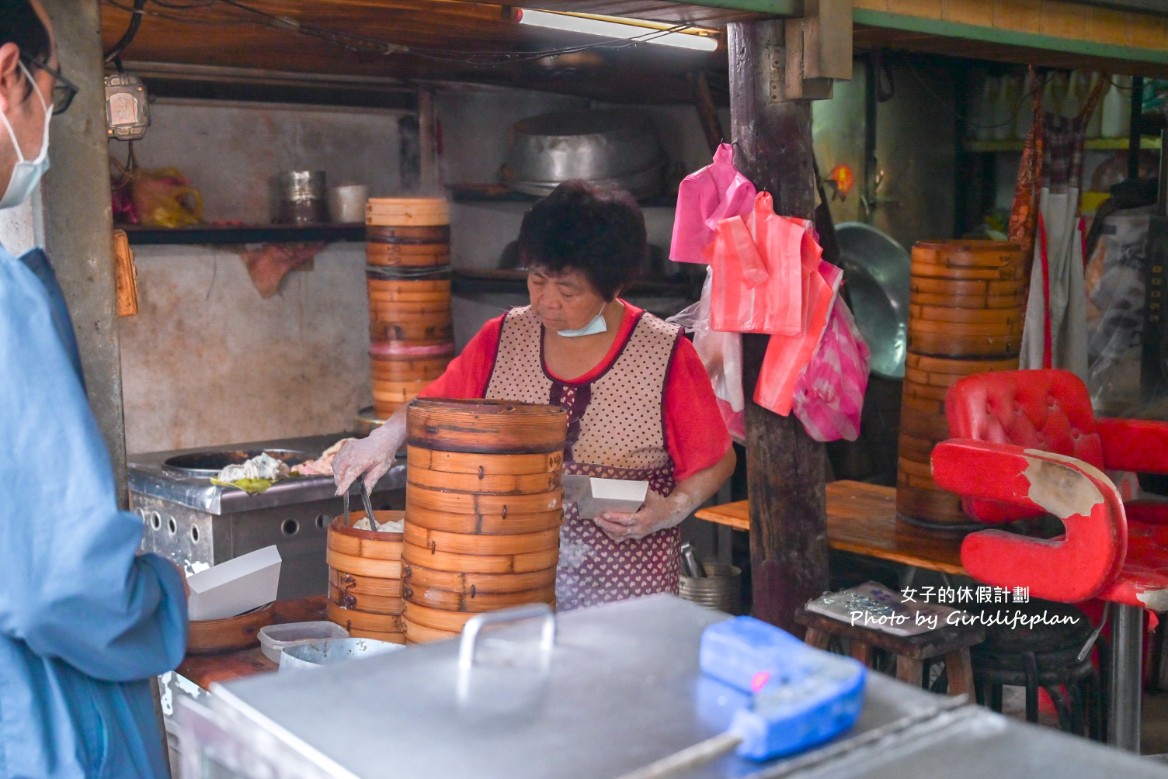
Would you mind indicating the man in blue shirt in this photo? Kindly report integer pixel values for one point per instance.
(85, 621)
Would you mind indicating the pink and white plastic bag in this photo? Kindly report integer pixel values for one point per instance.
(829, 396)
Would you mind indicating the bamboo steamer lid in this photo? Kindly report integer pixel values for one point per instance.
(411, 310)
(957, 367)
(480, 601)
(968, 253)
(407, 212)
(473, 544)
(501, 484)
(526, 562)
(386, 294)
(375, 604)
(365, 586)
(949, 345)
(484, 524)
(475, 503)
(364, 566)
(396, 350)
(484, 464)
(418, 577)
(486, 426)
(977, 289)
(407, 234)
(1012, 301)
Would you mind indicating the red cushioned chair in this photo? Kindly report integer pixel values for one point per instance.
(1025, 443)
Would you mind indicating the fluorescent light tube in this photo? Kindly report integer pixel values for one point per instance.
(613, 27)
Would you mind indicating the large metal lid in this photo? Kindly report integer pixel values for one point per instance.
(210, 462)
(876, 270)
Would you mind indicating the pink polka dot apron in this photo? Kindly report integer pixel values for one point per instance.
(616, 431)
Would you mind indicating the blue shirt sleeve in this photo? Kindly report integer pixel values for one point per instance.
(72, 585)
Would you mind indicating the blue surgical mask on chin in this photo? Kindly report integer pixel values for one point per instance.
(26, 173)
(594, 326)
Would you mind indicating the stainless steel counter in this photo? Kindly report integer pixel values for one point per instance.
(198, 524)
(148, 475)
(623, 689)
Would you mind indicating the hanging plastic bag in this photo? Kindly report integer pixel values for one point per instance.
(787, 355)
(829, 396)
(704, 198)
(759, 264)
(721, 354)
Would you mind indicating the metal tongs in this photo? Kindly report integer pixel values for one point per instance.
(365, 500)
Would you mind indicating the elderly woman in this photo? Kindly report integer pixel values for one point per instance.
(640, 405)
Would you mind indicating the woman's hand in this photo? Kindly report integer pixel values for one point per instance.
(658, 513)
(370, 457)
(653, 515)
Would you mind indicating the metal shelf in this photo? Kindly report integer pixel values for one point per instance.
(1096, 144)
(235, 234)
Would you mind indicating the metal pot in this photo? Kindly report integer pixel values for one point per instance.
(876, 269)
(607, 148)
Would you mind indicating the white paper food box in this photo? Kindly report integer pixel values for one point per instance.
(595, 495)
(235, 586)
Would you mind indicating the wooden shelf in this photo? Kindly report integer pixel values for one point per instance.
(1093, 144)
(501, 193)
(235, 234)
(465, 280)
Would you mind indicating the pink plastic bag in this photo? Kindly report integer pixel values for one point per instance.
(829, 396)
(704, 198)
(760, 266)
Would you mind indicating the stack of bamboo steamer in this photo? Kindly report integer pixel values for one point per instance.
(484, 505)
(966, 303)
(407, 252)
(365, 578)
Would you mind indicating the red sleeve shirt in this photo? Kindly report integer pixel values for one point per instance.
(695, 435)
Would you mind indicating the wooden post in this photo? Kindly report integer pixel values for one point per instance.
(784, 466)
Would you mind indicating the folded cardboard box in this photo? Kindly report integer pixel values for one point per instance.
(595, 495)
(235, 586)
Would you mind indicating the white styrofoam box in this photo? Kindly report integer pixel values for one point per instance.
(595, 495)
(235, 586)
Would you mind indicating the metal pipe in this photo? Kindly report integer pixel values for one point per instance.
(1123, 725)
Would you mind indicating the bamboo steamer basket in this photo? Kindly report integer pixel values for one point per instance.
(410, 328)
(470, 543)
(965, 316)
(365, 577)
(485, 524)
(481, 601)
(485, 464)
(410, 256)
(378, 604)
(486, 426)
(474, 503)
(522, 562)
(484, 505)
(407, 234)
(418, 577)
(229, 634)
(407, 212)
(489, 484)
(420, 634)
(406, 369)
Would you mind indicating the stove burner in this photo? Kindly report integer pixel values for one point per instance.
(210, 463)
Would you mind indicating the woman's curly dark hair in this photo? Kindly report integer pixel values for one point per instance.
(599, 232)
(20, 24)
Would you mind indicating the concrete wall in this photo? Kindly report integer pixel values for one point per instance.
(208, 361)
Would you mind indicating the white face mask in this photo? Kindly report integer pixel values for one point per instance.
(26, 173)
(594, 326)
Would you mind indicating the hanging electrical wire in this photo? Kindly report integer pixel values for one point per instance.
(128, 35)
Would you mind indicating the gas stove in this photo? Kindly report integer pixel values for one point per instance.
(197, 524)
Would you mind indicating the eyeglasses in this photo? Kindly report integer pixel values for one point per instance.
(64, 90)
